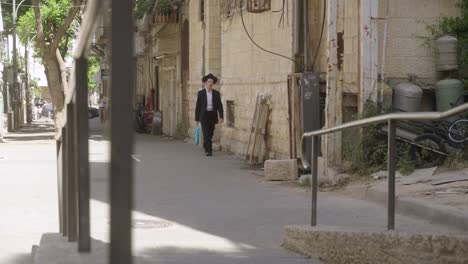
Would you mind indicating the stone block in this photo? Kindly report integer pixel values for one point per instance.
(281, 170)
(351, 245)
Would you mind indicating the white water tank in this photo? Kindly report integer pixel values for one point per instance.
(446, 53)
(407, 97)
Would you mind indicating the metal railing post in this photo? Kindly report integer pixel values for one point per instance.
(65, 162)
(121, 189)
(392, 121)
(59, 181)
(391, 173)
(82, 155)
(71, 164)
(314, 180)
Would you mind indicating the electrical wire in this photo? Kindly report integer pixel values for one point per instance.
(255, 43)
(321, 33)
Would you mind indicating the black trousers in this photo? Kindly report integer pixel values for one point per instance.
(208, 126)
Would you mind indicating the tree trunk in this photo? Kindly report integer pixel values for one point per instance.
(54, 81)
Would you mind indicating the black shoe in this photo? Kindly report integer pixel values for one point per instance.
(209, 154)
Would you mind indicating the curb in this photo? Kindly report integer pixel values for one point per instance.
(439, 214)
(334, 244)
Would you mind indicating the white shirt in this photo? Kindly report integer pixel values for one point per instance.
(209, 100)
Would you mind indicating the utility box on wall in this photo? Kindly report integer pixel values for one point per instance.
(310, 106)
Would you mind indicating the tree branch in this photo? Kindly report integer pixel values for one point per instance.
(40, 29)
(63, 70)
(70, 17)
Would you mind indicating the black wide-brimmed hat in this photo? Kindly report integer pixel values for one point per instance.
(210, 76)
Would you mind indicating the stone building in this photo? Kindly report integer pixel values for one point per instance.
(352, 45)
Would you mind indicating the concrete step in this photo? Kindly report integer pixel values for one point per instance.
(55, 249)
(357, 245)
(33, 252)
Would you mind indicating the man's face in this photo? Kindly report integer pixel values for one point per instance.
(209, 84)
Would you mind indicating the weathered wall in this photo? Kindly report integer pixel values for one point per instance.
(353, 71)
(160, 48)
(205, 49)
(166, 50)
(407, 23)
(248, 71)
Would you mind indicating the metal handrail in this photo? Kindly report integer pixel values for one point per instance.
(391, 119)
(73, 179)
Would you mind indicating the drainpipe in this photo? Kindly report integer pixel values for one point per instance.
(306, 35)
(297, 27)
(384, 53)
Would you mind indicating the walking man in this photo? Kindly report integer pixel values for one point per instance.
(208, 107)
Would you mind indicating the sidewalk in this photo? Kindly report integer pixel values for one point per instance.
(28, 191)
(189, 208)
(435, 194)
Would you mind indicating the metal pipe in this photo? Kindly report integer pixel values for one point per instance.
(379, 119)
(391, 173)
(59, 181)
(384, 53)
(72, 208)
(65, 162)
(314, 180)
(306, 35)
(121, 171)
(81, 119)
(395, 116)
(297, 27)
(15, 87)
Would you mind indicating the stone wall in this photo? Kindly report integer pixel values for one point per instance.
(248, 71)
(406, 53)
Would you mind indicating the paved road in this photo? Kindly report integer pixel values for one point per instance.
(189, 208)
(27, 191)
(217, 209)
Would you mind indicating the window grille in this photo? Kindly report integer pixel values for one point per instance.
(257, 6)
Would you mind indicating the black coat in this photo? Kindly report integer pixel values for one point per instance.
(202, 102)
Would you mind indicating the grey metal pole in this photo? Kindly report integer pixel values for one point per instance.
(391, 173)
(81, 121)
(306, 35)
(121, 132)
(27, 85)
(72, 199)
(65, 150)
(314, 182)
(59, 182)
(15, 86)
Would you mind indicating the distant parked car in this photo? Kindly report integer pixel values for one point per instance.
(48, 110)
(92, 112)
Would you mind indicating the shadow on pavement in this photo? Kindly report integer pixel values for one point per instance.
(217, 217)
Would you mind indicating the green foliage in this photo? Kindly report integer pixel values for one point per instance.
(7, 13)
(368, 152)
(457, 26)
(53, 13)
(93, 67)
(37, 93)
(458, 160)
(145, 7)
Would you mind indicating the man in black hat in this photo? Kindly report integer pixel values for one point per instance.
(208, 106)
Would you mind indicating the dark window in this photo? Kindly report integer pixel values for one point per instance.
(230, 113)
